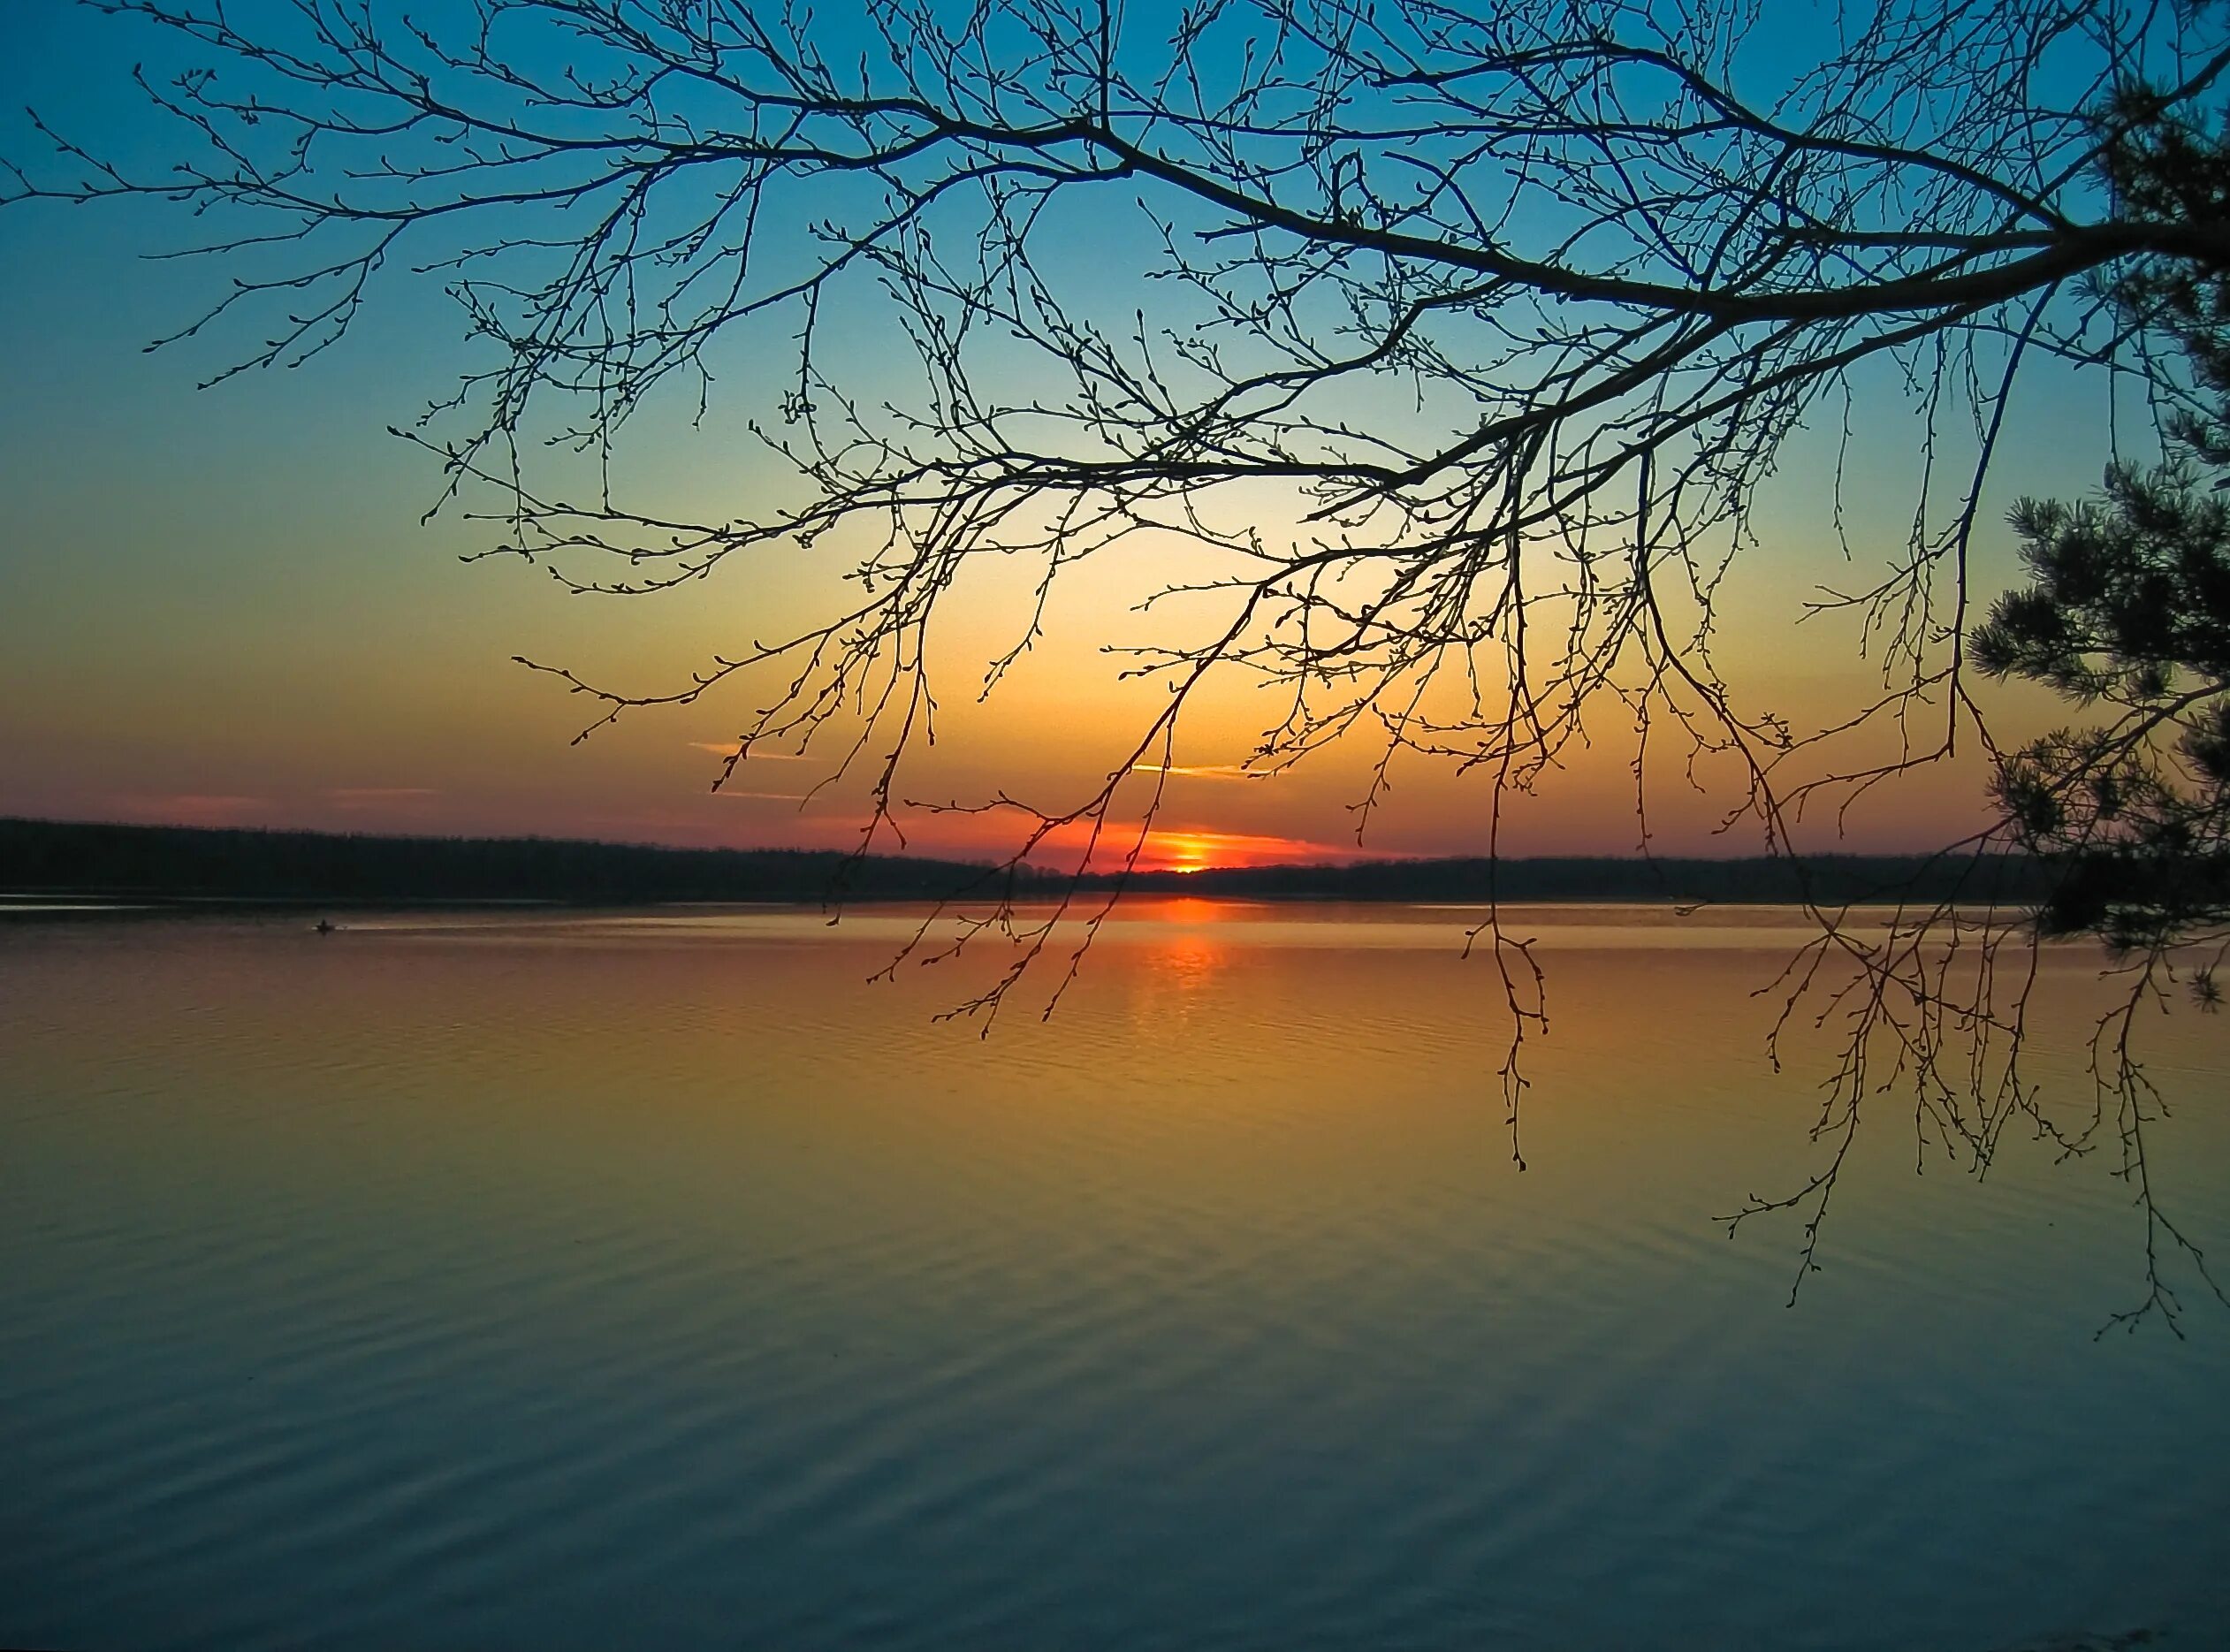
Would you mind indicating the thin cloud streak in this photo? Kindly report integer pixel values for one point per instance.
(726, 748)
(1202, 771)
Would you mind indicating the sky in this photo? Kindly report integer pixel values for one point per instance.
(222, 606)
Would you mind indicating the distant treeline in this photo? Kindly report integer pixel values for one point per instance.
(56, 856)
(180, 863)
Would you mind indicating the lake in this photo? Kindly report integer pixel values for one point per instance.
(583, 1281)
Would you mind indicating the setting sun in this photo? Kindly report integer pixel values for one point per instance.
(1188, 852)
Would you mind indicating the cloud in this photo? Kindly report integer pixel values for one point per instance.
(1177, 850)
(726, 748)
(1204, 771)
(1184, 848)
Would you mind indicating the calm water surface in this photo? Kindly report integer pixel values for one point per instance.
(654, 1280)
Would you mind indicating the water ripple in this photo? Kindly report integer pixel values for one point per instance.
(545, 1281)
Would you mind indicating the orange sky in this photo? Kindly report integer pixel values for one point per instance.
(214, 645)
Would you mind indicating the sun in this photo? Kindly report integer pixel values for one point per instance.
(1185, 851)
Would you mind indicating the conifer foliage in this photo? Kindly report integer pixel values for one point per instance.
(2128, 613)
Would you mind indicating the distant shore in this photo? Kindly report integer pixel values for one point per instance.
(61, 868)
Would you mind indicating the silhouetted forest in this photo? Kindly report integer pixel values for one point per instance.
(54, 856)
(191, 862)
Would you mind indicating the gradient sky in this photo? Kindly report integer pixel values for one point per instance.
(221, 607)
